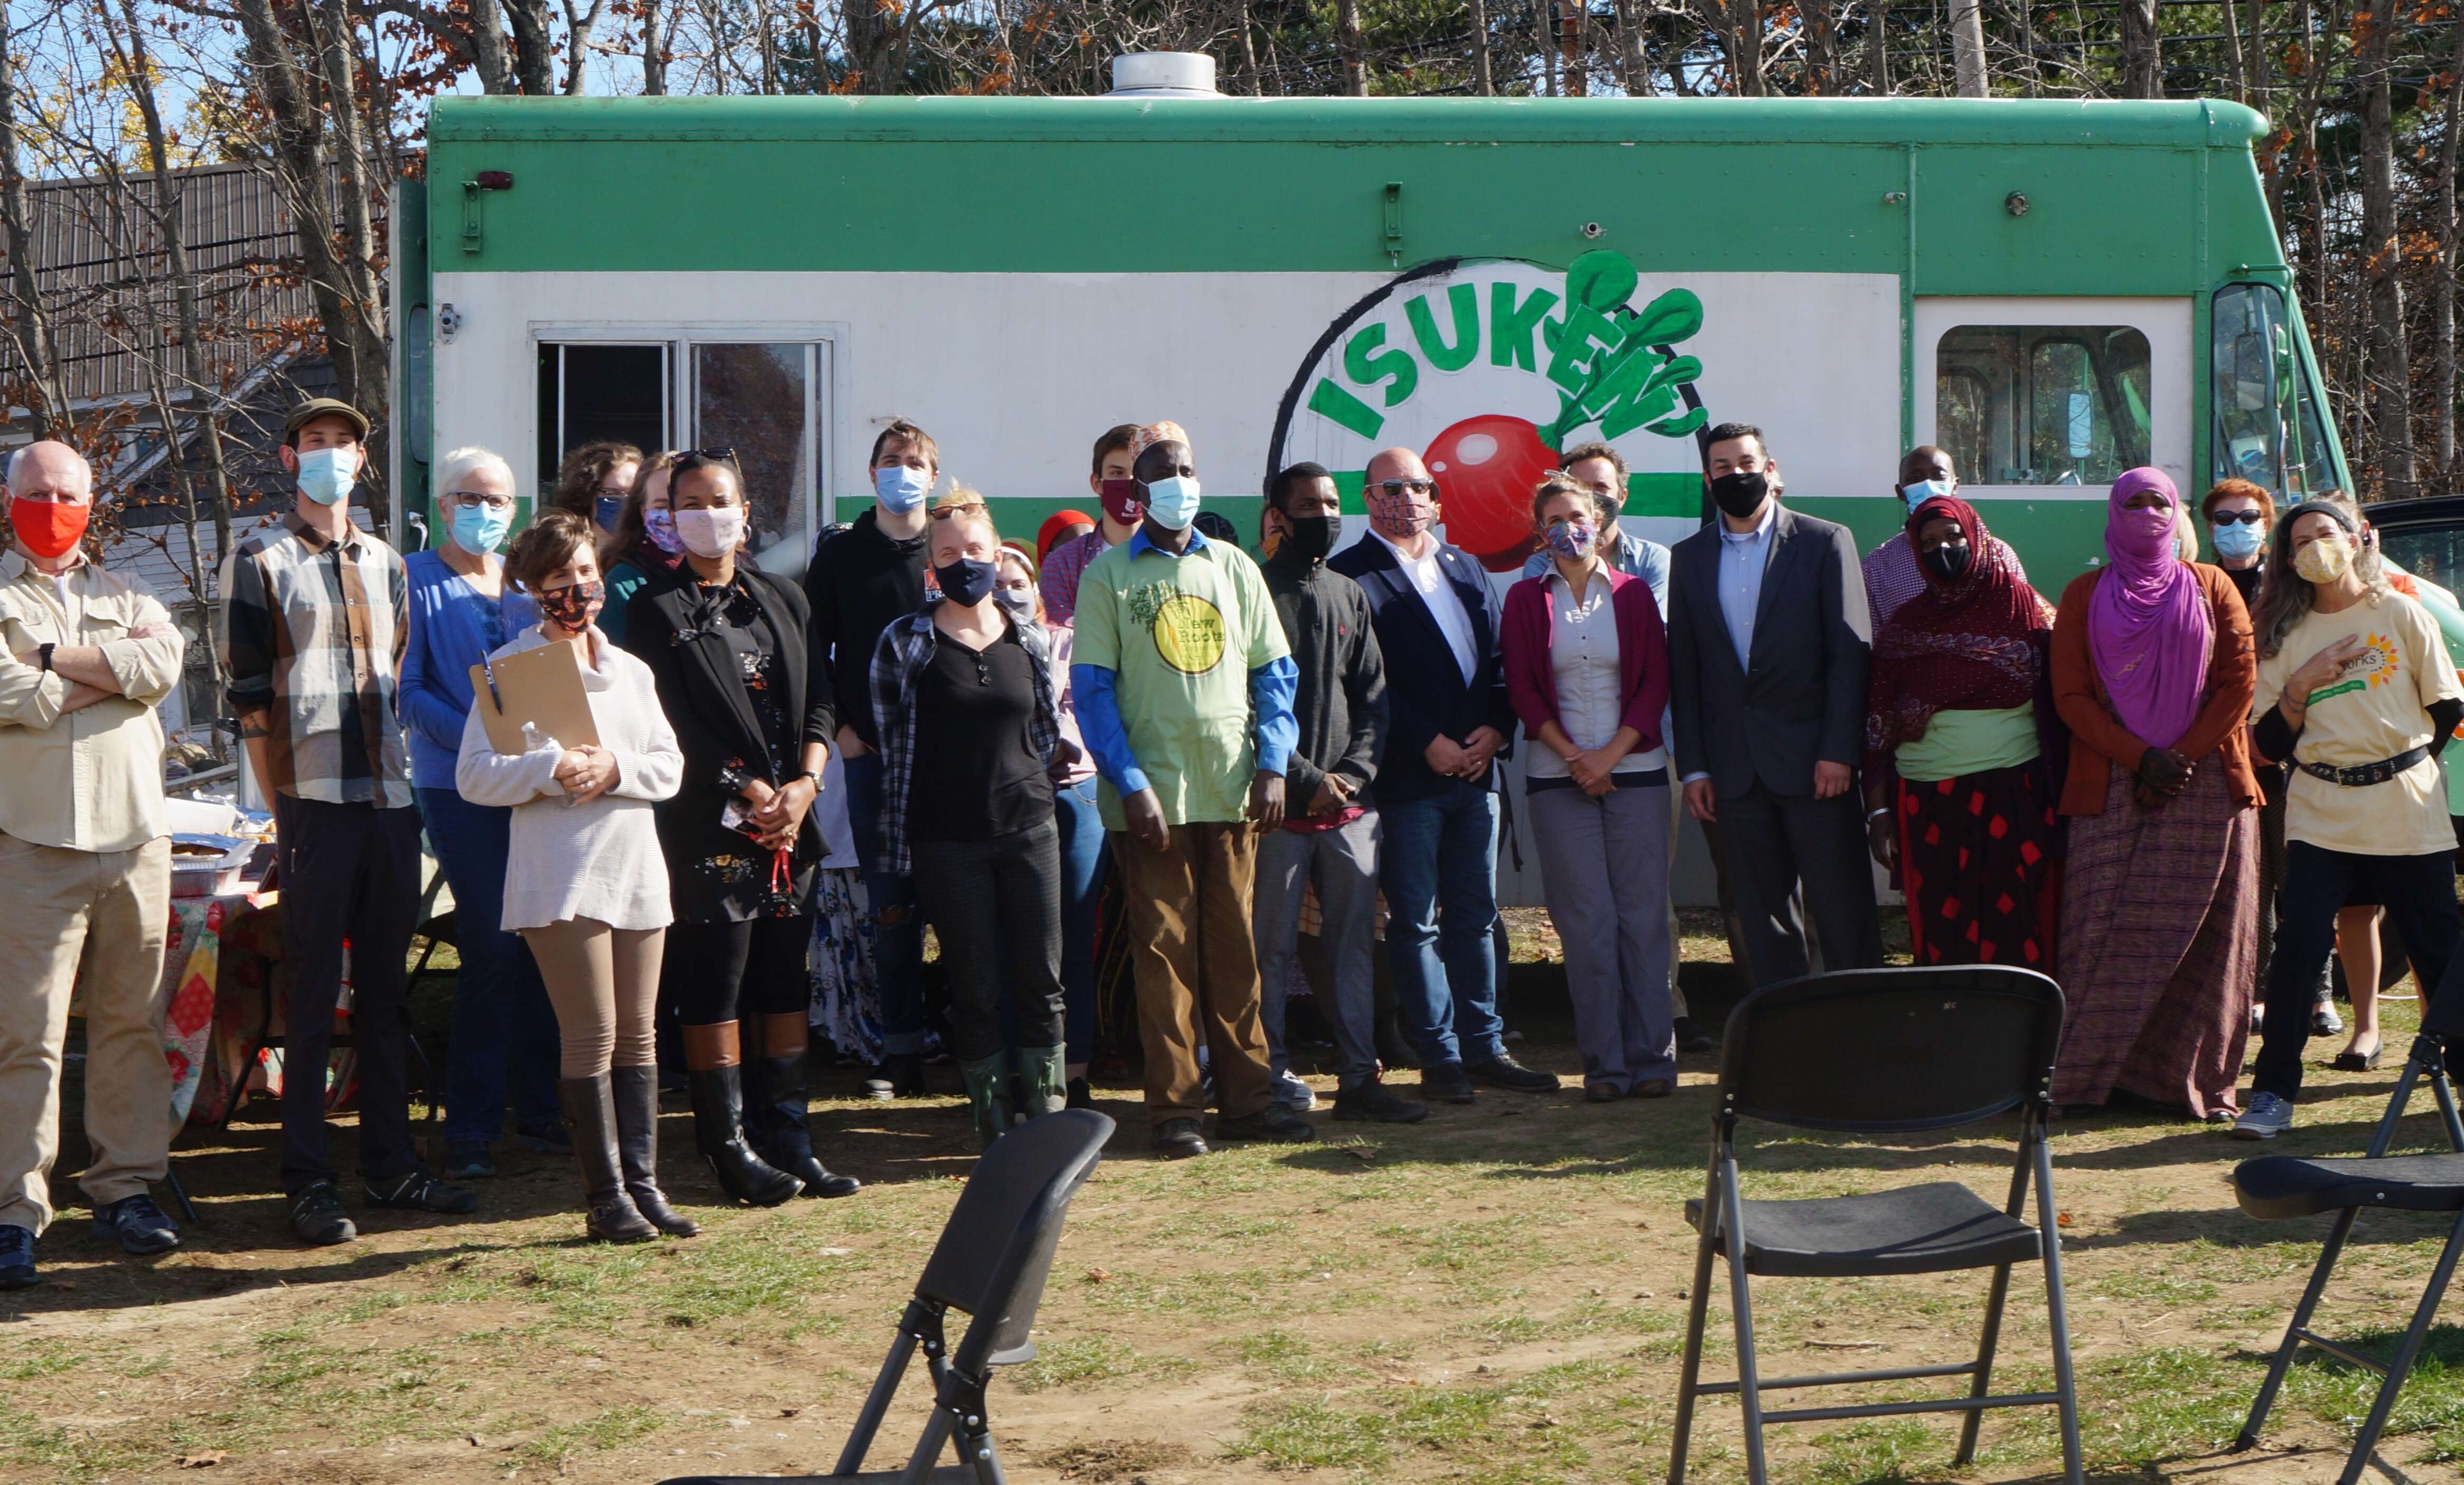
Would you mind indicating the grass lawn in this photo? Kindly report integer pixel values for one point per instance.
(1494, 1295)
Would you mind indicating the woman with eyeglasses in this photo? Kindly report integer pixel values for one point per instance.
(644, 549)
(730, 649)
(594, 480)
(461, 611)
(1587, 667)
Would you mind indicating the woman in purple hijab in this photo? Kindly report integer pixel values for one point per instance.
(2153, 672)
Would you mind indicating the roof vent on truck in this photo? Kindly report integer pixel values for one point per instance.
(1163, 74)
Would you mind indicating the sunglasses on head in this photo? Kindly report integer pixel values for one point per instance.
(2236, 518)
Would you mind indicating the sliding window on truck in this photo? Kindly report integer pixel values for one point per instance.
(2042, 404)
(2267, 422)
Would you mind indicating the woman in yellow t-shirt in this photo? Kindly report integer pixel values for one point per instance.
(2356, 690)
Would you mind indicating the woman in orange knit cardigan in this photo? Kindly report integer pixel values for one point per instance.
(2153, 671)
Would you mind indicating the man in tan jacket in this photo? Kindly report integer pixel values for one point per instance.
(85, 862)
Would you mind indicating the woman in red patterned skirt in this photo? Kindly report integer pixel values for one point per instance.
(1958, 799)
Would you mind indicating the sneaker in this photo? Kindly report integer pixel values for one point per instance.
(900, 1076)
(548, 1139)
(1691, 1038)
(2325, 1021)
(470, 1161)
(1447, 1080)
(17, 1259)
(317, 1215)
(1274, 1123)
(1294, 1093)
(2267, 1117)
(1504, 1072)
(1374, 1103)
(1177, 1139)
(1082, 1094)
(420, 1192)
(141, 1226)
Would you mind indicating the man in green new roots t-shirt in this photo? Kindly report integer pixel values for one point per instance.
(1184, 687)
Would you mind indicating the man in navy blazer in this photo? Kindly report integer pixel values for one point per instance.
(1768, 650)
(1448, 721)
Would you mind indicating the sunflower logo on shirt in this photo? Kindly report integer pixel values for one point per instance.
(2376, 665)
(1188, 630)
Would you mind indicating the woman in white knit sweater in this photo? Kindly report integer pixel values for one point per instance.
(584, 881)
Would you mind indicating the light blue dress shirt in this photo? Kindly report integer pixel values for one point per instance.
(1741, 560)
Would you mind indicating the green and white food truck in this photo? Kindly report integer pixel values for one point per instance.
(2055, 292)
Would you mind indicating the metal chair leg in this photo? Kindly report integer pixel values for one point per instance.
(1980, 1388)
(936, 1433)
(1742, 1307)
(2302, 1311)
(180, 1192)
(1698, 1311)
(876, 1406)
(2057, 1308)
(2402, 1365)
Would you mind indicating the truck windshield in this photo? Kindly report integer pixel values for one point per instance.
(2267, 424)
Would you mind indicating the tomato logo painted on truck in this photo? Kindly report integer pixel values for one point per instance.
(1490, 368)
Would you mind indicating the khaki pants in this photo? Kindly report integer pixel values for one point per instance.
(1196, 967)
(96, 920)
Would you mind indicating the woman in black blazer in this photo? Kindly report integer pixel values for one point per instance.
(729, 647)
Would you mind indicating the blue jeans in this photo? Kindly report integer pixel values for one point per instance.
(1439, 871)
(897, 928)
(1083, 863)
(504, 1030)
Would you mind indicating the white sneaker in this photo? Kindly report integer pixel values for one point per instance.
(2267, 1117)
(1293, 1094)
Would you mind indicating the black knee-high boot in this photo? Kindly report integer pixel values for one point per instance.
(590, 1113)
(637, 1149)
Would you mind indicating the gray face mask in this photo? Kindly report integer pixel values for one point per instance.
(1017, 602)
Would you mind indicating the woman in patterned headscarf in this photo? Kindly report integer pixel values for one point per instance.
(1957, 798)
(2153, 671)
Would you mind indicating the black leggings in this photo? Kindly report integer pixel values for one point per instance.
(721, 971)
(2419, 892)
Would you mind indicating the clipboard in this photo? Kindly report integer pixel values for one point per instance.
(539, 688)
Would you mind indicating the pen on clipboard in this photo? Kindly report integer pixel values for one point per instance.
(489, 668)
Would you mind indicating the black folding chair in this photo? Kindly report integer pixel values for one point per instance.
(2276, 1187)
(991, 1262)
(1883, 1051)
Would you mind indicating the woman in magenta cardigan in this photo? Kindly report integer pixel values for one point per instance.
(1587, 670)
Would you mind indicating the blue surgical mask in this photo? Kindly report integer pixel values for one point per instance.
(326, 475)
(2238, 541)
(1172, 502)
(604, 509)
(1923, 490)
(902, 487)
(480, 529)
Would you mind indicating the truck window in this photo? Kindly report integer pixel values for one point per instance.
(2267, 422)
(761, 399)
(2042, 404)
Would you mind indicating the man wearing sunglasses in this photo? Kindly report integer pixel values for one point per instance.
(1436, 620)
(1891, 574)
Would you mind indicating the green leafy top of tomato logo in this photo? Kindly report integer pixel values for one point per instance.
(1616, 366)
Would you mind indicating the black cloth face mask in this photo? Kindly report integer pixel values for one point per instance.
(966, 580)
(1740, 494)
(1312, 536)
(1948, 561)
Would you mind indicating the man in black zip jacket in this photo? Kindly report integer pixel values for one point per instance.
(1328, 829)
(860, 580)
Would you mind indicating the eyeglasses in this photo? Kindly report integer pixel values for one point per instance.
(614, 491)
(1398, 489)
(2236, 518)
(477, 497)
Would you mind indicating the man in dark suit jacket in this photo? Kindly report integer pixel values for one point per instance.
(1768, 649)
(1447, 720)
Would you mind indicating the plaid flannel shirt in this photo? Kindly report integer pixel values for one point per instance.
(898, 662)
(313, 632)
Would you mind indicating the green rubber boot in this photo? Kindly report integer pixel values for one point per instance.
(988, 1096)
(1043, 1079)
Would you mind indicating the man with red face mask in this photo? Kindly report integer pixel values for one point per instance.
(85, 862)
(1109, 481)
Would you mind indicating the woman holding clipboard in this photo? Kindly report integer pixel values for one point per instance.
(728, 645)
(584, 881)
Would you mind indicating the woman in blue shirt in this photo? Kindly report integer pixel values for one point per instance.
(504, 1031)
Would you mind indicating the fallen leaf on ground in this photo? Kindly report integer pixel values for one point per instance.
(1098, 1275)
(2062, 1219)
(202, 1459)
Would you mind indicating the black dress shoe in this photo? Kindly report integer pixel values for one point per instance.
(1374, 1104)
(137, 1225)
(1504, 1072)
(1178, 1138)
(1447, 1080)
(17, 1259)
(1274, 1123)
(1691, 1038)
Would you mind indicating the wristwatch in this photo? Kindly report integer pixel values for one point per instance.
(45, 651)
(807, 774)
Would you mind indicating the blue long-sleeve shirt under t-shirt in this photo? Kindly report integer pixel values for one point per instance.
(453, 626)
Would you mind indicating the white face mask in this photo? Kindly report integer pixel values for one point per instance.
(710, 534)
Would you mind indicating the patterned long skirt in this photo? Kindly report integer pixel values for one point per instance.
(2159, 942)
(1978, 862)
